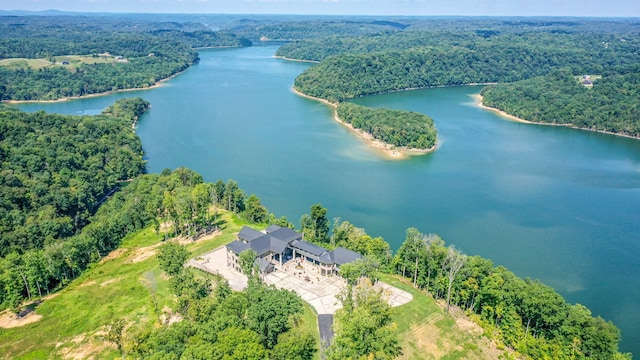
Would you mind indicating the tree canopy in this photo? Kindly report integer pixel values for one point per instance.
(83, 56)
(56, 169)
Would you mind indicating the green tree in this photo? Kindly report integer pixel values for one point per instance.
(247, 260)
(365, 267)
(172, 257)
(235, 343)
(366, 329)
(315, 226)
(254, 210)
(269, 312)
(293, 345)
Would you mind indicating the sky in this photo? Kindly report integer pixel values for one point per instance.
(594, 8)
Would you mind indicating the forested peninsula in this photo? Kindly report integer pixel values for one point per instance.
(52, 58)
(360, 66)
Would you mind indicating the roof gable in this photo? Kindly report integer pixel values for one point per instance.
(285, 234)
(248, 234)
(309, 247)
(342, 256)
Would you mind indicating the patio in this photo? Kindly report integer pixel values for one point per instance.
(301, 277)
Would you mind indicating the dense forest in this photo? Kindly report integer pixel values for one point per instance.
(180, 197)
(609, 104)
(527, 315)
(106, 56)
(399, 128)
(314, 29)
(56, 168)
(356, 66)
(497, 59)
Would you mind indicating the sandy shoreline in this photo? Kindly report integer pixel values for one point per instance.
(506, 115)
(296, 60)
(386, 150)
(154, 86)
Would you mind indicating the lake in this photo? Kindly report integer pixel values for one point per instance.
(550, 203)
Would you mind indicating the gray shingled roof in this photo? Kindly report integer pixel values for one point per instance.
(277, 245)
(309, 247)
(272, 228)
(278, 238)
(261, 245)
(249, 234)
(263, 265)
(327, 258)
(237, 246)
(341, 255)
(285, 234)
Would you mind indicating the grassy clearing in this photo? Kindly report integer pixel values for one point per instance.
(24, 63)
(426, 332)
(68, 61)
(310, 324)
(73, 320)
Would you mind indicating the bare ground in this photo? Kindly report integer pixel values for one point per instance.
(10, 320)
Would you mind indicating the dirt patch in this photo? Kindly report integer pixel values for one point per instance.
(168, 317)
(88, 283)
(111, 281)
(425, 341)
(143, 253)
(113, 255)
(10, 320)
(81, 347)
(468, 326)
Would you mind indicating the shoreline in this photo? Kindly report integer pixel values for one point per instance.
(514, 118)
(385, 150)
(158, 84)
(295, 60)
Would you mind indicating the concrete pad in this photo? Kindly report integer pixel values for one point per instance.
(318, 290)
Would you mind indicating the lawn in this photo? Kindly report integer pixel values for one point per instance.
(426, 332)
(24, 63)
(68, 61)
(74, 319)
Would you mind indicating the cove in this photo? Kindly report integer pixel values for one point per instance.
(555, 204)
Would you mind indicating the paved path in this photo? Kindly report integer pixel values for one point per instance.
(325, 327)
(215, 262)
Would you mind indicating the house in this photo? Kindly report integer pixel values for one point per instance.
(277, 245)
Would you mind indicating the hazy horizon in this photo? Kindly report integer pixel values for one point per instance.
(553, 8)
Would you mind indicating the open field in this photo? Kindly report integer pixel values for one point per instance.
(24, 63)
(74, 319)
(426, 332)
(68, 61)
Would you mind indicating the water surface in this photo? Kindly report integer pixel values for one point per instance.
(555, 204)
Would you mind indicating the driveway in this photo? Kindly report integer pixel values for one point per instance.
(319, 291)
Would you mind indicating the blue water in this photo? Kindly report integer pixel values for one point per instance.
(555, 204)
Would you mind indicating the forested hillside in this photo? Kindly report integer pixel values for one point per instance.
(103, 55)
(502, 59)
(610, 104)
(358, 66)
(525, 314)
(312, 28)
(55, 169)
